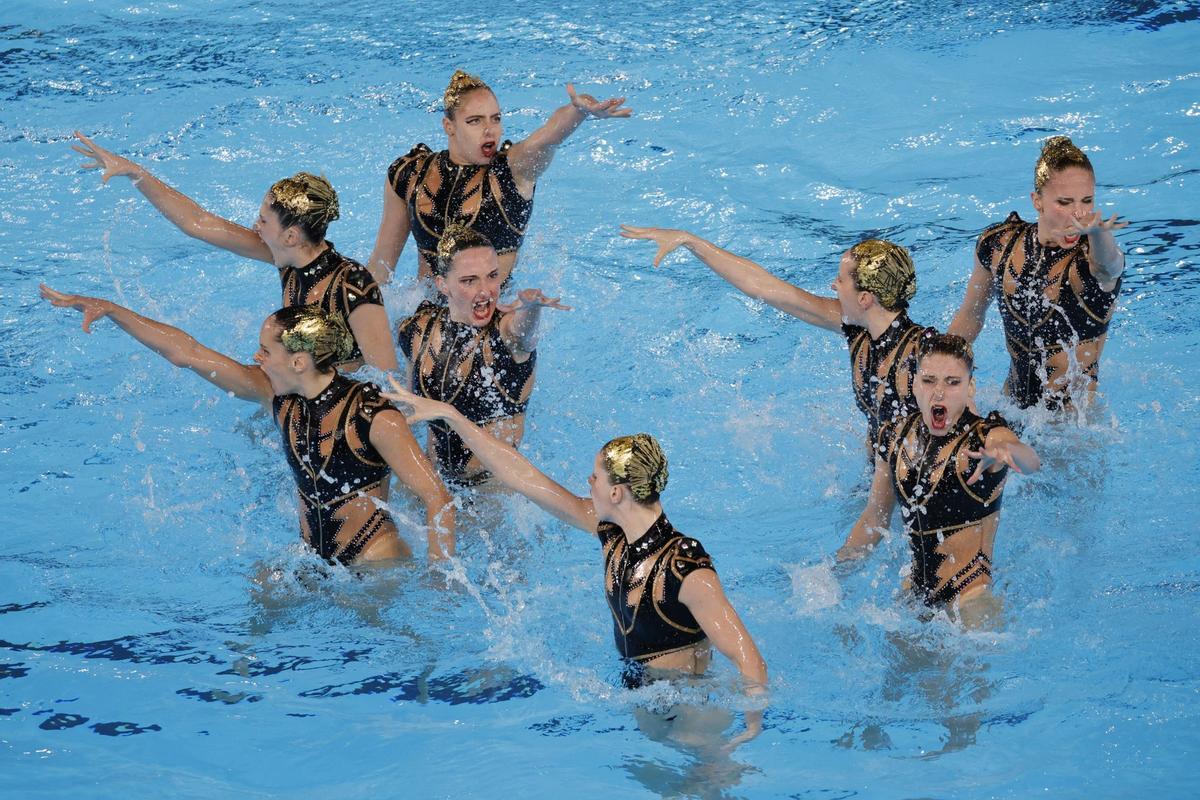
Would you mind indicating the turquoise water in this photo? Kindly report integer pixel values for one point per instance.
(135, 656)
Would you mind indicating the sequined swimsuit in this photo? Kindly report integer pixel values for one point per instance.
(470, 368)
(881, 370)
(337, 469)
(341, 286)
(930, 480)
(642, 583)
(481, 196)
(1049, 302)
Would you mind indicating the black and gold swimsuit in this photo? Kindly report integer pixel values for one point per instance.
(642, 583)
(341, 284)
(1049, 302)
(930, 480)
(470, 368)
(339, 473)
(439, 192)
(881, 370)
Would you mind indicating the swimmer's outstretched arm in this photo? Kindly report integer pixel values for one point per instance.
(502, 460)
(529, 158)
(968, 321)
(393, 438)
(179, 209)
(519, 325)
(1105, 257)
(1003, 449)
(176, 346)
(745, 275)
(875, 518)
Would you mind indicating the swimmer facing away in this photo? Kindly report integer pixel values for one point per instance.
(477, 356)
(875, 281)
(289, 233)
(666, 600)
(1057, 280)
(477, 181)
(947, 468)
(341, 438)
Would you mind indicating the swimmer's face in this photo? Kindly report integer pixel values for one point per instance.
(273, 358)
(268, 228)
(476, 130)
(601, 488)
(944, 387)
(472, 286)
(1068, 194)
(849, 296)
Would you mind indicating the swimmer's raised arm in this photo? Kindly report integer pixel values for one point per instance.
(875, 518)
(1003, 449)
(530, 157)
(1105, 257)
(745, 275)
(371, 329)
(968, 321)
(519, 325)
(393, 438)
(502, 460)
(701, 592)
(393, 234)
(179, 209)
(178, 347)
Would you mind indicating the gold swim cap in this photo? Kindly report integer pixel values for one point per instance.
(461, 84)
(885, 270)
(1058, 153)
(638, 461)
(309, 329)
(308, 197)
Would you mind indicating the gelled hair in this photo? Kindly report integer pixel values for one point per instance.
(886, 270)
(1058, 153)
(309, 329)
(947, 344)
(461, 85)
(307, 201)
(455, 239)
(639, 462)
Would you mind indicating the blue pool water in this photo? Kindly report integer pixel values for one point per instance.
(135, 657)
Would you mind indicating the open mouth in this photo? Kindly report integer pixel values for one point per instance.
(488, 149)
(481, 310)
(937, 414)
(1070, 239)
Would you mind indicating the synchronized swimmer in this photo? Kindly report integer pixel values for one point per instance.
(472, 363)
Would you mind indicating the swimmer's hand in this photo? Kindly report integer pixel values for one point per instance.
(112, 164)
(527, 298)
(93, 308)
(992, 456)
(422, 408)
(592, 107)
(667, 239)
(1096, 223)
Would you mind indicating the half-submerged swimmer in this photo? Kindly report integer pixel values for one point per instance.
(667, 603)
(946, 467)
(477, 181)
(1057, 280)
(341, 438)
(289, 233)
(472, 353)
(876, 279)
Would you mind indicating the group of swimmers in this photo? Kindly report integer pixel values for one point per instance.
(471, 366)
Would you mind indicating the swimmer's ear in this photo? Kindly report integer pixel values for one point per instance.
(971, 388)
(447, 125)
(1036, 197)
(301, 361)
(440, 282)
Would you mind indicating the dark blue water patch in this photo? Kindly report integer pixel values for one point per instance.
(290, 714)
(123, 728)
(8, 712)
(824, 794)
(563, 726)
(9, 608)
(18, 670)
(474, 687)
(148, 649)
(62, 722)
(219, 696)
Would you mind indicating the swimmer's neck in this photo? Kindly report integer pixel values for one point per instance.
(878, 319)
(301, 255)
(636, 519)
(310, 384)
